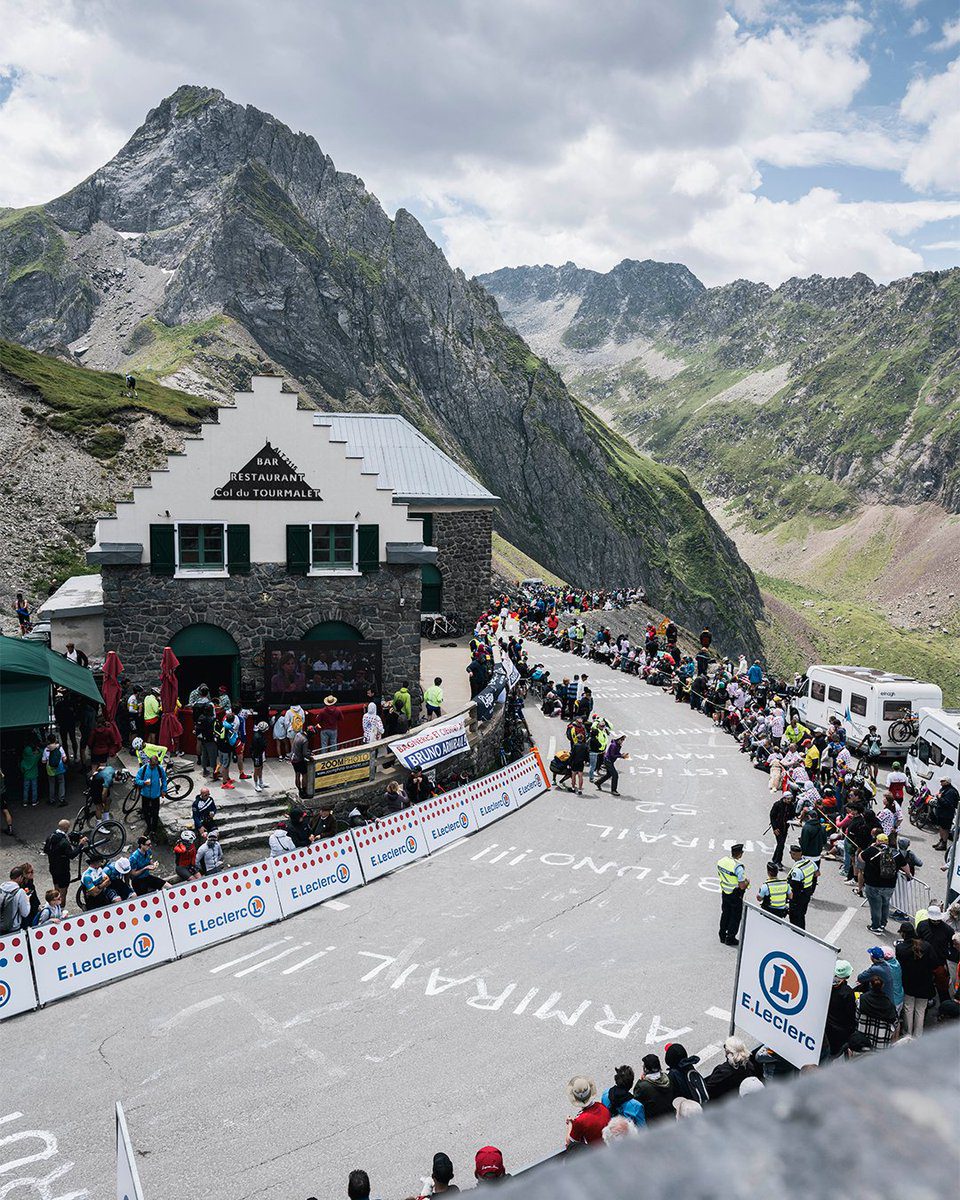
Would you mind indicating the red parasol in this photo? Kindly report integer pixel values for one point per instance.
(112, 669)
(170, 727)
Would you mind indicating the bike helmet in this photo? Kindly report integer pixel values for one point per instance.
(137, 744)
(187, 836)
(122, 865)
(897, 766)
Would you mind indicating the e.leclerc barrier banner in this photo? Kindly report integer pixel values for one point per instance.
(17, 993)
(783, 984)
(527, 778)
(220, 906)
(446, 818)
(434, 745)
(389, 843)
(492, 797)
(314, 873)
(97, 947)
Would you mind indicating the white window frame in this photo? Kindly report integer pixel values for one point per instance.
(198, 572)
(336, 572)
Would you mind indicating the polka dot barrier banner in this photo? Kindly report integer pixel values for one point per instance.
(314, 873)
(446, 818)
(391, 842)
(99, 946)
(221, 906)
(527, 778)
(17, 993)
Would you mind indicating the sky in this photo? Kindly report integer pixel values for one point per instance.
(745, 138)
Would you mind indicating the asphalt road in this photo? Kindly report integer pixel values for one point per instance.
(443, 1007)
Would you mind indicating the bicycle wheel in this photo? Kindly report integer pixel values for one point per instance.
(83, 817)
(81, 898)
(108, 838)
(131, 802)
(179, 786)
(901, 731)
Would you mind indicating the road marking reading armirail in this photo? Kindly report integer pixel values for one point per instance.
(243, 957)
(842, 922)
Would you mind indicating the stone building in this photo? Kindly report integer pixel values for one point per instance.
(279, 526)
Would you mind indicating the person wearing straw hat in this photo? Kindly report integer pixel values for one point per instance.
(328, 723)
(588, 1125)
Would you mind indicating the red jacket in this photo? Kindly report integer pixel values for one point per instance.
(589, 1125)
(186, 856)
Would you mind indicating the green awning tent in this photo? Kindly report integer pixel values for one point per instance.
(26, 671)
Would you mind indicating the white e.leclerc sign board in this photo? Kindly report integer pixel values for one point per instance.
(783, 986)
(314, 873)
(17, 993)
(218, 907)
(391, 842)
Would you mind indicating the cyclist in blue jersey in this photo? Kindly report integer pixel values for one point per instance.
(142, 866)
(97, 885)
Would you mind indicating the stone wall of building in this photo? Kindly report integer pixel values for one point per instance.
(464, 546)
(143, 612)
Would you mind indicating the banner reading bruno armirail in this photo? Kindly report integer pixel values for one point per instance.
(433, 745)
(783, 986)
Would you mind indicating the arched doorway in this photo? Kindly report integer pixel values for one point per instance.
(207, 654)
(333, 631)
(432, 589)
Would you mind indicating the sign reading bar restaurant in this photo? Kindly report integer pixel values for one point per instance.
(334, 770)
(269, 475)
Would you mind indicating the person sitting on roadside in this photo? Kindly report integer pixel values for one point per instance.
(418, 787)
(185, 856)
(142, 867)
(119, 871)
(98, 889)
(488, 1166)
(620, 1101)
(326, 823)
(51, 910)
(210, 854)
(204, 812)
(395, 797)
(298, 826)
(280, 840)
(588, 1125)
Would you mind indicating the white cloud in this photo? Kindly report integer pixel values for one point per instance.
(950, 35)
(920, 26)
(932, 103)
(952, 246)
(518, 130)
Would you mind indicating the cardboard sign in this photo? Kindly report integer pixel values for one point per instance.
(389, 843)
(220, 906)
(98, 946)
(312, 874)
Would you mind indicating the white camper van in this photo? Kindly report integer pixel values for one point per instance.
(863, 696)
(935, 755)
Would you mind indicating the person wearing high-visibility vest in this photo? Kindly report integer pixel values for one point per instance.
(774, 895)
(803, 881)
(733, 883)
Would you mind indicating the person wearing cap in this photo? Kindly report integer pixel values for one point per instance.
(879, 969)
(654, 1090)
(733, 883)
(589, 1123)
(841, 1009)
(774, 895)
(280, 840)
(326, 826)
(328, 722)
(97, 885)
(896, 975)
(210, 854)
(803, 882)
(488, 1165)
(879, 877)
(897, 781)
(939, 936)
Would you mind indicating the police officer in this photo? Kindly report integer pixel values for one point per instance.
(803, 880)
(733, 883)
(774, 895)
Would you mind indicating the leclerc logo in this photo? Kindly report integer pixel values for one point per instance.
(143, 945)
(783, 983)
(411, 843)
(343, 872)
(5, 992)
(256, 907)
(464, 821)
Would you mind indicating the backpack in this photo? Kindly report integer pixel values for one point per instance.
(886, 865)
(54, 759)
(232, 734)
(9, 909)
(688, 1082)
(296, 722)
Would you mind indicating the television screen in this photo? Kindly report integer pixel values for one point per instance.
(305, 672)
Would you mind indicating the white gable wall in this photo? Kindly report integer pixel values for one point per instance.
(185, 492)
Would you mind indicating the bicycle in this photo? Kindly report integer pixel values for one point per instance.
(106, 854)
(918, 810)
(904, 730)
(179, 786)
(107, 836)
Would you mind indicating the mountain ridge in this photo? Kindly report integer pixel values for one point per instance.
(217, 242)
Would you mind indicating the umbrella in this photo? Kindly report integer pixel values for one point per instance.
(112, 668)
(170, 727)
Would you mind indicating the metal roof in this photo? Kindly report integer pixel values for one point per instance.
(869, 674)
(407, 462)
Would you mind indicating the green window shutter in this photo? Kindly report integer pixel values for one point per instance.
(238, 549)
(368, 548)
(428, 529)
(298, 549)
(162, 558)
